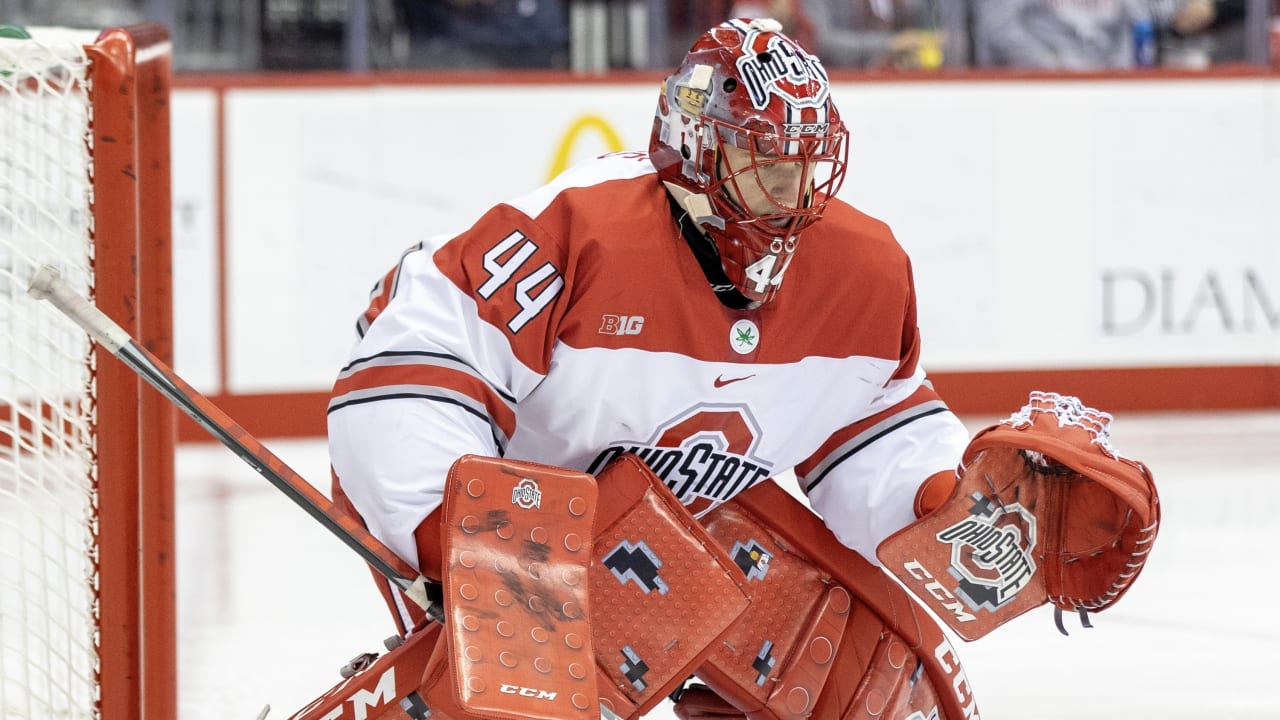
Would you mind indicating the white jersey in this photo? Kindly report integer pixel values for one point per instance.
(574, 324)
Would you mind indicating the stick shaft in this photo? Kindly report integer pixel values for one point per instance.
(48, 285)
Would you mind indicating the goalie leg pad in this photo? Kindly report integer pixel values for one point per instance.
(662, 588)
(828, 635)
(516, 545)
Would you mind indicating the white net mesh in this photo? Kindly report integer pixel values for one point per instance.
(47, 454)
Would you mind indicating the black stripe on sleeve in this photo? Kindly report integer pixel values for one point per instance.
(423, 353)
(855, 449)
(497, 442)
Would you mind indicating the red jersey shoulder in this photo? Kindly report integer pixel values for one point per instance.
(520, 262)
(849, 290)
(851, 258)
(514, 271)
(850, 239)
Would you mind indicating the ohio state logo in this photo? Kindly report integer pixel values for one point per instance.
(991, 552)
(770, 66)
(527, 494)
(706, 455)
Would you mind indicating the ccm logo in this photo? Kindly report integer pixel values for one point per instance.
(621, 324)
(938, 591)
(527, 692)
(365, 699)
(805, 129)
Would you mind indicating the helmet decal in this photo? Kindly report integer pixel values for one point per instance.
(773, 65)
(692, 97)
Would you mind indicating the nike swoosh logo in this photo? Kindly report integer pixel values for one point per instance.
(721, 382)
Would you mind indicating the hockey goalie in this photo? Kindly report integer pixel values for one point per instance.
(568, 415)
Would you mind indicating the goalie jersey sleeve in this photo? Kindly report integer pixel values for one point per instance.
(454, 336)
(573, 325)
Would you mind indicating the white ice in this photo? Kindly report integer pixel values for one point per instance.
(270, 605)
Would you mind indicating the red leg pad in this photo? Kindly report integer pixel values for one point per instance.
(828, 636)
(517, 544)
(662, 589)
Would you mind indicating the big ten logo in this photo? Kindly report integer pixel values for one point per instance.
(585, 124)
(621, 324)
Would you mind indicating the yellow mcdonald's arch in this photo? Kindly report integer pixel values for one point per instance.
(587, 122)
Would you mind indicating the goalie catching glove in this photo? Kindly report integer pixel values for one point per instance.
(1044, 510)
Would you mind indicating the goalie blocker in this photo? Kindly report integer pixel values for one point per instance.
(762, 603)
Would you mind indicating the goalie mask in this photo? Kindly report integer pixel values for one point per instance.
(748, 139)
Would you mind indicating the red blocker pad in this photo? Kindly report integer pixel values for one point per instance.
(662, 588)
(827, 635)
(976, 560)
(1044, 511)
(382, 690)
(517, 545)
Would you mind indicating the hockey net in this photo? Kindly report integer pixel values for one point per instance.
(86, 457)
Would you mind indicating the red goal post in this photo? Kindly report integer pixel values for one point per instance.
(86, 449)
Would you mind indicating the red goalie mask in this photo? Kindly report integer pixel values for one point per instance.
(747, 129)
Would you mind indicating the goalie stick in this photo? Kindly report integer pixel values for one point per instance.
(47, 284)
